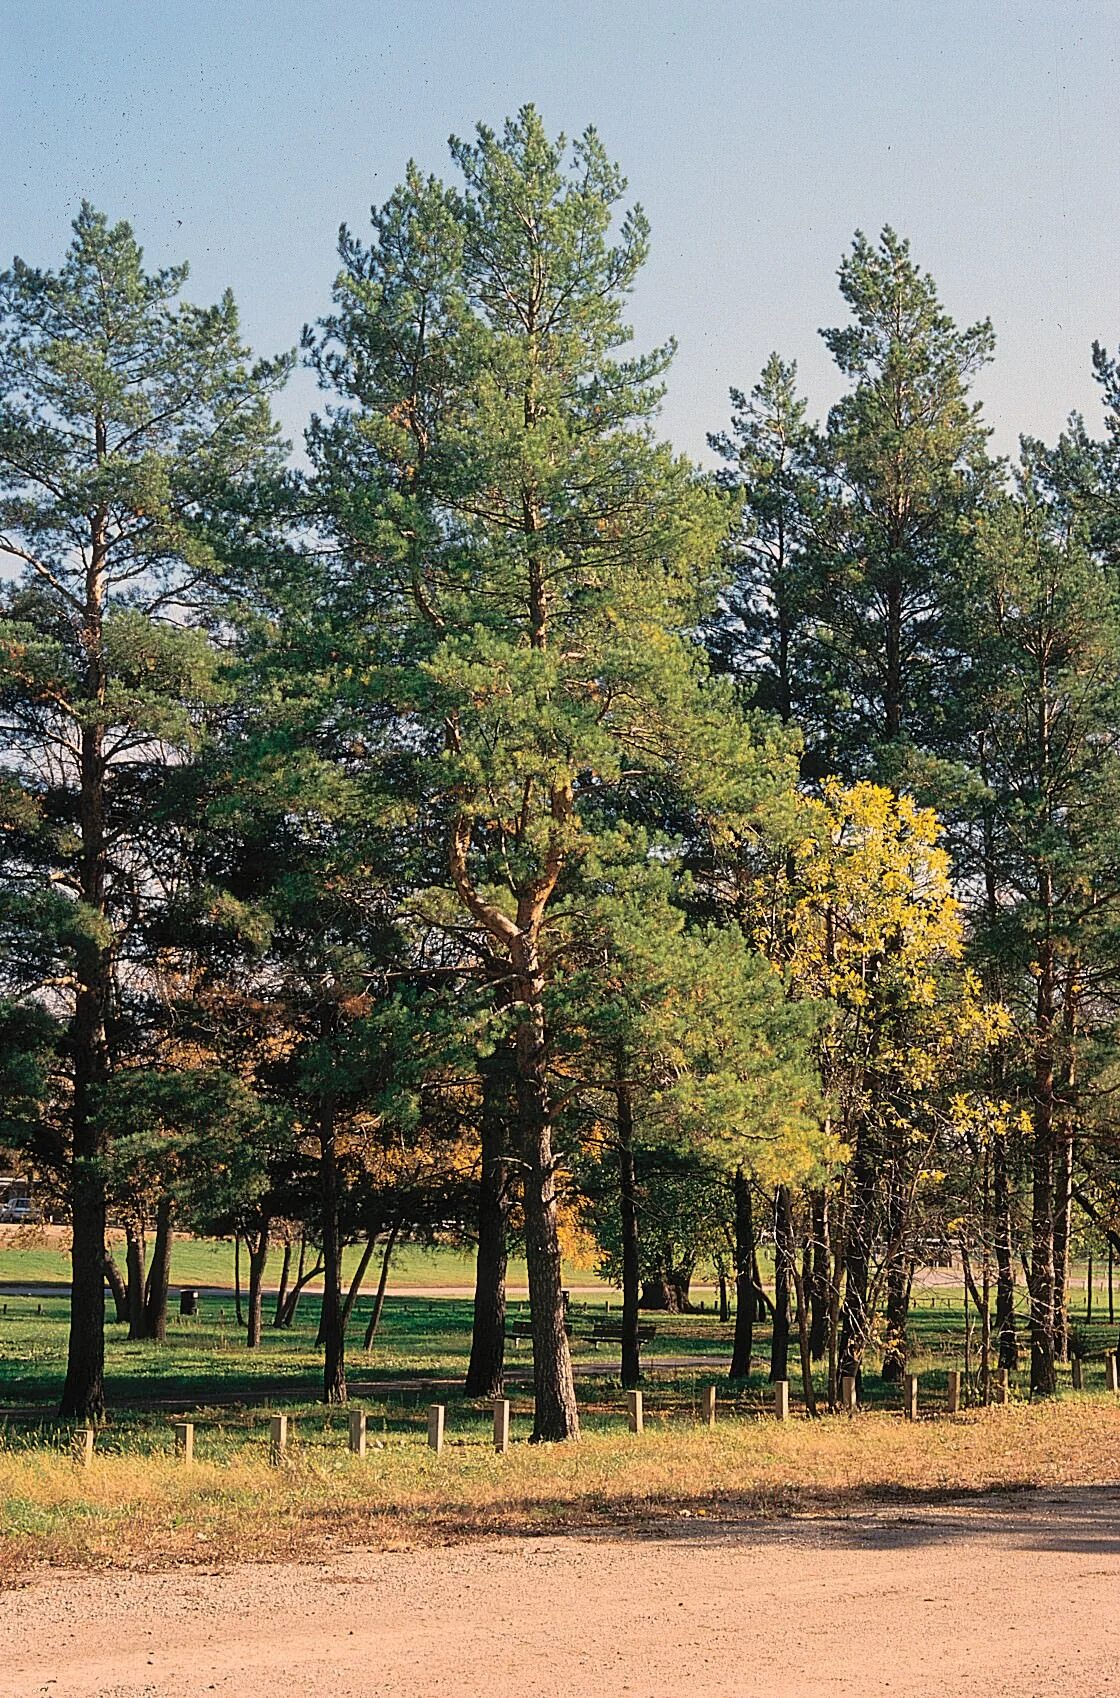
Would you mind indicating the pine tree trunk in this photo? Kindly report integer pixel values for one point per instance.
(854, 1317)
(486, 1369)
(159, 1274)
(818, 1287)
(1005, 1262)
(134, 1263)
(744, 1279)
(783, 1255)
(258, 1260)
(556, 1415)
(631, 1366)
(330, 1324)
(1043, 1376)
(237, 1309)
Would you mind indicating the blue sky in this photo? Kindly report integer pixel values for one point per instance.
(758, 138)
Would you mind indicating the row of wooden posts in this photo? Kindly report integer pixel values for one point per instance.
(278, 1426)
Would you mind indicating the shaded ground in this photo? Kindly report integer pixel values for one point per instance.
(1000, 1595)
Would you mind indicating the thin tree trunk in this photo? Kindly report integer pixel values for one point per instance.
(855, 1320)
(359, 1275)
(285, 1270)
(628, 1208)
(288, 1313)
(382, 1285)
(803, 1335)
(134, 1263)
(159, 1274)
(486, 1368)
(783, 1257)
(1005, 1263)
(1043, 1378)
(258, 1261)
(745, 1301)
(237, 1309)
(818, 1286)
(117, 1286)
(330, 1325)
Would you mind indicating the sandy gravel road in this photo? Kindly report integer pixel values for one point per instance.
(1017, 1596)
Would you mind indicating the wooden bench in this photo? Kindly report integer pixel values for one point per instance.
(521, 1332)
(610, 1332)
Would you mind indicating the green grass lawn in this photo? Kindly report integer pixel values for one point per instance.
(209, 1261)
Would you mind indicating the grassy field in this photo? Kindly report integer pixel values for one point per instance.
(41, 1256)
(137, 1503)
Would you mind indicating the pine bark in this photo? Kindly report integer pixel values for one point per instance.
(159, 1274)
(330, 1324)
(744, 1279)
(486, 1369)
(784, 1251)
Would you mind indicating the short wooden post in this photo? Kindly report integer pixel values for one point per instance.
(1076, 1373)
(634, 1411)
(781, 1399)
(82, 1440)
(184, 1440)
(954, 1392)
(1112, 1375)
(1003, 1386)
(356, 1435)
(910, 1389)
(708, 1405)
(848, 1393)
(437, 1414)
(277, 1439)
(501, 1425)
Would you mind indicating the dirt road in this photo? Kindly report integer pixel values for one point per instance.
(1017, 1596)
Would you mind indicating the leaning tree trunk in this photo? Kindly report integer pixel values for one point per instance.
(360, 1271)
(556, 1417)
(486, 1369)
(744, 1279)
(783, 1255)
(330, 1325)
(628, 1210)
(382, 1286)
(159, 1274)
(117, 1285)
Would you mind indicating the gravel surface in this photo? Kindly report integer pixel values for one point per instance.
(1017, 1595)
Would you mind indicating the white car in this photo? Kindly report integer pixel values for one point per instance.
(18, 1209)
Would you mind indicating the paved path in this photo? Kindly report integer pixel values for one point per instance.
(1014, 1599)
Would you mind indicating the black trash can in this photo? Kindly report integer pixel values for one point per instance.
(188, 1301)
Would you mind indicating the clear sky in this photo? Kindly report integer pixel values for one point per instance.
(239, 134)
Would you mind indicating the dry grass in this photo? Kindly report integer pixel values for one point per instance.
(153, 1511)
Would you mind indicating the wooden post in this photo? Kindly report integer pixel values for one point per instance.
(82, 1441)
(501, 1425)
(1112, 1378)
(184, 1440)
(954, 1393)
(356, 1423)
(1003, 1386)
(848, 1393)
(634, 1411)
(437, 1414)
(781, 1400)
(708, 1404)
(1076, 1373)
(277, 1439)
(910, 1389)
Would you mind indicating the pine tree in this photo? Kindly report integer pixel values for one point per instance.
(125, 416)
